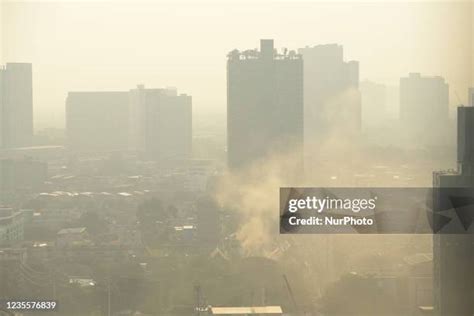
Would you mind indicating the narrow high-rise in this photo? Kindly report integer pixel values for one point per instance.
(160, 123)
(424, 103)
(331, 97)
(16, 105)
(453, 246)
(264, 104)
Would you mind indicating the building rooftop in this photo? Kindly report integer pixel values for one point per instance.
(43, 147)
(76, 230)
(267, 51)
(418, 258)
(246, 310)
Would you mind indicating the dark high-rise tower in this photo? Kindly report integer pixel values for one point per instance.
(453, 251)
(264, 104)
(16, 105)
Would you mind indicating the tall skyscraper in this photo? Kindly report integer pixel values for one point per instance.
(97, 121)
(453, 251)
(160, 123)
(264, 104)
(331, 95)
(424, 102)
(16, 105)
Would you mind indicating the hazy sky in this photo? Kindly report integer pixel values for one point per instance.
(114, 45)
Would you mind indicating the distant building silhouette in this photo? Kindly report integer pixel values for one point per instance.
(16, 105)
(331, 96)
(97, 121)
(374, 103)
(160, 123)
(424, 103)
(264, 104)
(454, 253)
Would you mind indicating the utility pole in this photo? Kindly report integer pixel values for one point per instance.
(292, 296)
(199, 301)
(197, 297)
(108, 298)
(53, 281)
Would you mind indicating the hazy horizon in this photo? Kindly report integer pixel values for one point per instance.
(92, 45)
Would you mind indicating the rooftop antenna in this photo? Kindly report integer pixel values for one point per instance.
(459, 99)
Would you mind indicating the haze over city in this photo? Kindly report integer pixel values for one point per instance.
(114, 45)
(160, 157)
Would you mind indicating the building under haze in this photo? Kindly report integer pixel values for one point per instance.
(97, 121)
(331, 96)
(453, 248)
(160, 123)
(424, 104)
(264, 104)
(16, 105)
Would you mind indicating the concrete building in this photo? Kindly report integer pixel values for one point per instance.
(424, 103)
(16, 105)
(10, 260)
(76, 236)
(264, 104)
(331, 95)
(254, 310)
(160, 123)
(97, 121)
(11, 226)
(453, 248)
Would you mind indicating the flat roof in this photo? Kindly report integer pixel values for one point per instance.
(33, 148)
(246, 310)
(74, 230)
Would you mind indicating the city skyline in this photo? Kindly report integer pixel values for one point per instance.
(189, 138)
(127, 60)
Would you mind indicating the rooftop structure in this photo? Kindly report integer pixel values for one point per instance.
(256, 310)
